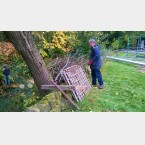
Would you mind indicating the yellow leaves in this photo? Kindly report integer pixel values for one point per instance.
(51, 45)
(100, 33)
(60, 40)
(43, 53)
(46, 44)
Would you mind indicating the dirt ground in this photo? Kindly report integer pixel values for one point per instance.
(142, 69)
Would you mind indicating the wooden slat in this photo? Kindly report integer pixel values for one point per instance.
(69, 82)
(64, 87)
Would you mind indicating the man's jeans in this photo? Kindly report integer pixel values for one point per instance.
(7, 80)
(96, 76)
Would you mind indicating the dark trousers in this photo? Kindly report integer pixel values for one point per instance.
(96, 76)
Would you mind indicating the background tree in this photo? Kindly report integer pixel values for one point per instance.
(24, 44)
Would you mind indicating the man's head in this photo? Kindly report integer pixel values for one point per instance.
(5, 66)
(92, 42)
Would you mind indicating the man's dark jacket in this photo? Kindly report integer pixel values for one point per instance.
(6, 72)
(95, 56)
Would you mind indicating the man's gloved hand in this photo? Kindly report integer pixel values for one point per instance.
(90, 62)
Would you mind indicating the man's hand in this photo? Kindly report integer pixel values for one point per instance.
(90, 62)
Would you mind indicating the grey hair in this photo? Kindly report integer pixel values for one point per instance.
(92, 40)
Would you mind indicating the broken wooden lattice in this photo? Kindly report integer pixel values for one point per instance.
(75, 76)
(76, 81)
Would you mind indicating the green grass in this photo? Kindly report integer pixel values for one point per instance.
(124, 90)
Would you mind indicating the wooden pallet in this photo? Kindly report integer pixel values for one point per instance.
(75, 76)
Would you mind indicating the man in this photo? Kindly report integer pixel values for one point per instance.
(6, 73)
(95, 64)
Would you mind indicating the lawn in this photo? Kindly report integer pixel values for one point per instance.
(124, 90)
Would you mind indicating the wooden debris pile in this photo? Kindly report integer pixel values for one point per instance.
(76, 81)
(72, 75)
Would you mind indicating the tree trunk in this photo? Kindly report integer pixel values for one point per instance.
(24, 44)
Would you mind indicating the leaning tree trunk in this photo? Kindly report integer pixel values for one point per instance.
(24, 44)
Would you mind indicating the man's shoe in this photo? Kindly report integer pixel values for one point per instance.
(101, 86)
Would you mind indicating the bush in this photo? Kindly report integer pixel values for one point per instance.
(1, 78)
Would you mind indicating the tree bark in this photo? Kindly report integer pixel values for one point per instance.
(24, 44)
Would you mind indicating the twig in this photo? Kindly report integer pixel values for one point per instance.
(56, 78)
(57, 59)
